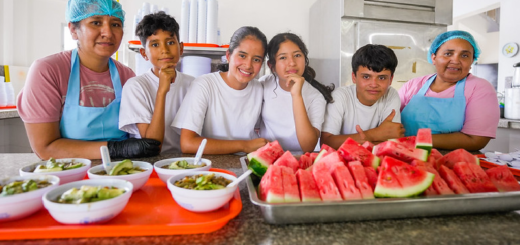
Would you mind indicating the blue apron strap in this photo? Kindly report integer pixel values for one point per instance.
(116, 81)
(73, 88)
(426, 85)
(459, 88)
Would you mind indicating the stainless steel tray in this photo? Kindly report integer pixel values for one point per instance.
(382, 208)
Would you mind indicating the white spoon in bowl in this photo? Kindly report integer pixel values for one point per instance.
(198, 156)
(242, 177)
(105, 157)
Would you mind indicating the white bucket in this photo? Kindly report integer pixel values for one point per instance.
(195, 65)
(512, 103)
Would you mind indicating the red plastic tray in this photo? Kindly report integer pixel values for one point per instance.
(486, 164)
(150, 211)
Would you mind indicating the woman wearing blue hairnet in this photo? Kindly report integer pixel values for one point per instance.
(461, 109)
(70, 103)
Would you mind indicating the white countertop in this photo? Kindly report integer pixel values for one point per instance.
(8, 113)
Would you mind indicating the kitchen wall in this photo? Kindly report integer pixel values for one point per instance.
(37, 24)
(509, 23)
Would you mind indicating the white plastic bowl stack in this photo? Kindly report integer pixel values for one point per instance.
(87, 213)
(201, 200)
(66, 176)
(17, 206)
(165, 174)
(138, 179)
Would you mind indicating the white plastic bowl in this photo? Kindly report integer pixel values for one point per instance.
(87, 213)
(165, 174)
(138, 180)
(21, 205)
(201, 200)
(66, 176)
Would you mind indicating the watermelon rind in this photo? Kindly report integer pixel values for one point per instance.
(410, 191)
(320, 155)
(376, 161)
(258, 166)
(421, 154)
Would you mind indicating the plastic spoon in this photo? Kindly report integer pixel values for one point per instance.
(242, 177)
(196, 160)
(105, 157)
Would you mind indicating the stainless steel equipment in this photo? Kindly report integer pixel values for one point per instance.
(339, 27)
(516, 76)
(382, 208)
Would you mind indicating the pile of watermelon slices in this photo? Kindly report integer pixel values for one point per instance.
(403, 167)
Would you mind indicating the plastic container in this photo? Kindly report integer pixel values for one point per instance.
(201, 200)
(138, 179)
(22, 205)
(3, 92)
(195, 65)
(87, 213)
(65, 176)
(164, 174)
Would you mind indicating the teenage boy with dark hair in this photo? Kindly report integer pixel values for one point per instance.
(151, 101)
(368, 110)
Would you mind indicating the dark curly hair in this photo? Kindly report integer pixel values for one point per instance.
(239, 35)
(151, 23)
(374, 57)
(309, 74)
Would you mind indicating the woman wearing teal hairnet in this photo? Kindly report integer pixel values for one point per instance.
(70, 103)
(461, 109)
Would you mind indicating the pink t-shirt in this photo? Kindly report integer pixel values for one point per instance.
(482, 109)
(43, 96)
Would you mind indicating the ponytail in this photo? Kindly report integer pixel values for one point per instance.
(309, 74)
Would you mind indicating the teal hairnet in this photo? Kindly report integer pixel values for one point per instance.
(449, 35)
(78, 10)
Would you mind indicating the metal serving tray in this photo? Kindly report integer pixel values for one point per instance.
(382, 208)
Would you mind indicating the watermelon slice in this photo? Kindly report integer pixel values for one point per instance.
(452, 180)
(396, 150)
(305, 161)
(408, 142)
(345, 183)
(368, 145)
(482, 177)
(327, 148)
(262, 158)
(412, 181)
(474, 181)
(435, 154)
(290, 185)
(313, 156)
(288, 160)
(371, 176)
(320, 155)
(271, 186)
(440, 186)
(459, 155)
(503, 179)
(424, 139)
(358, 172)
(326, 186)
(329, 161)
(308, 189)
(350, 150)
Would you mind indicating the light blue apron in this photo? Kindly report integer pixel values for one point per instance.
(442, 115)
(90, 123)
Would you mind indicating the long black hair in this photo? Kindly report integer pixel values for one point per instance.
(309, 74)
(239, 35)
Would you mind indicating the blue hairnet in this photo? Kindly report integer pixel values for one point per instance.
(78, 10)
(449, 35)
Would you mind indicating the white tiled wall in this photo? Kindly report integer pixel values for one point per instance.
(13, 138)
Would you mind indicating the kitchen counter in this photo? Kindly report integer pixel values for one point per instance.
(249, 227)
(509, 123)
(9, 113)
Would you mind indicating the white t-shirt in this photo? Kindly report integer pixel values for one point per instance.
(138, 104)
(214, 110)
(346, 112)
(277, 112)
